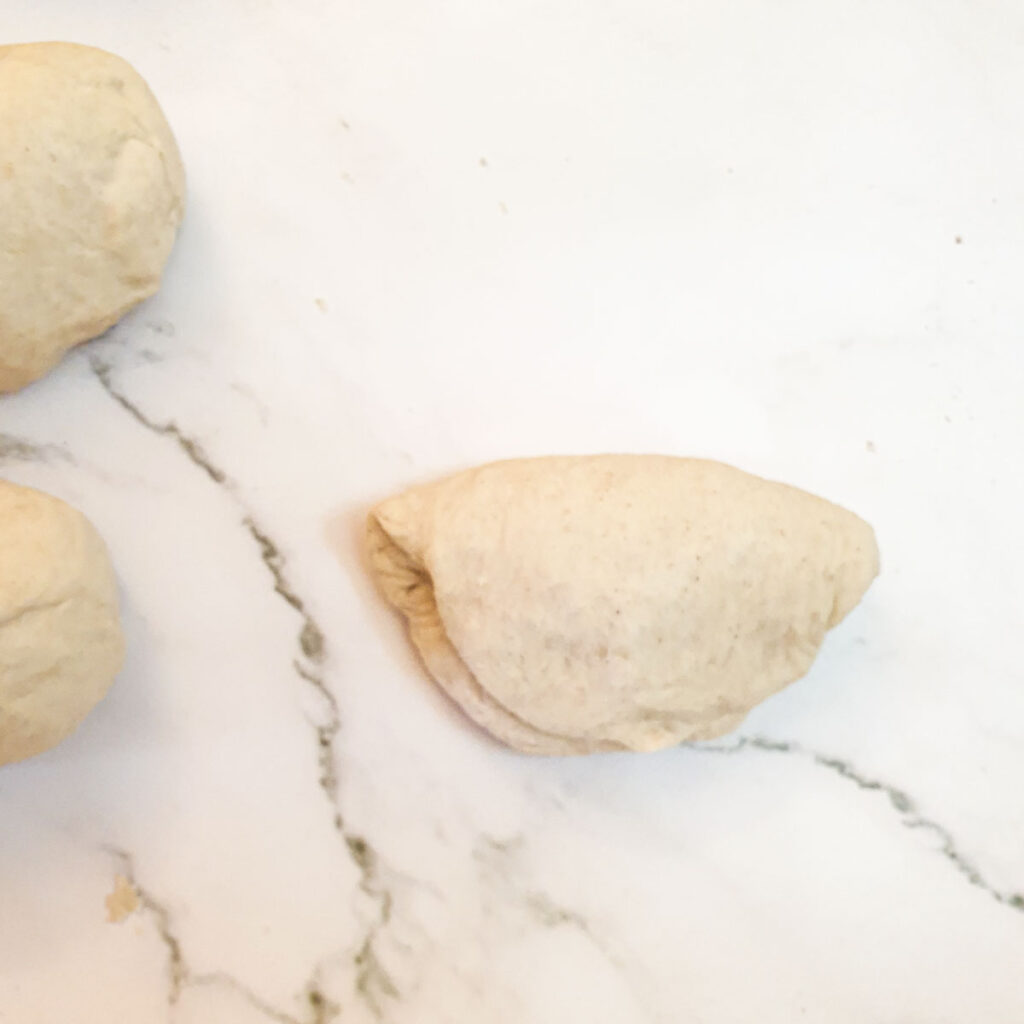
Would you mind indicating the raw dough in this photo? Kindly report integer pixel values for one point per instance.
(577, 604)
(91, 194)
(60, 637)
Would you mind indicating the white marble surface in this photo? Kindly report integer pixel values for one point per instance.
(784, 235)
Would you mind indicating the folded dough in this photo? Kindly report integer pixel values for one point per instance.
(610, 602)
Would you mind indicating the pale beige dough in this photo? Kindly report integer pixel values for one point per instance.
(577, 604)
(60, 634)
(92, 191)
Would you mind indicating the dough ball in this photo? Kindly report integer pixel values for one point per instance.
(60, 637)
(616, 602)
(91, 194)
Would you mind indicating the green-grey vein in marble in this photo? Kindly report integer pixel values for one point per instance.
(372, 981)
(898, 799)
(16, 449)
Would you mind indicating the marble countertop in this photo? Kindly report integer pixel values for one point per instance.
(422, 236)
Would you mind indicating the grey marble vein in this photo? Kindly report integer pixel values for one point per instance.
(373, 983)
(181, 976)
(899, 800)
(551, 915)
(311, 643)
(326, 734)
(321, 1009)
(16, 449)
(188, 445)
(501, 863)
(500, 859)
(311, 638)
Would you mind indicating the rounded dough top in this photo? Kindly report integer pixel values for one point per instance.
(60, 635)
(92, 191)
